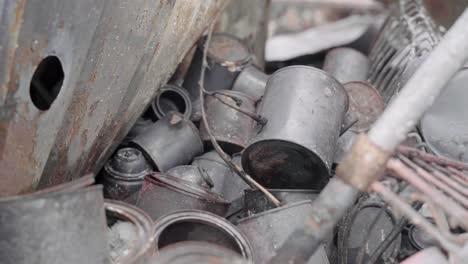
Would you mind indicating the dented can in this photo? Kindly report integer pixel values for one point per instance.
(163, 194)
(170, 142)
(252, 82)
(295, 148)
(172, 98)
(195, 225)
(124, 174)
(226, 57)
(231, 128)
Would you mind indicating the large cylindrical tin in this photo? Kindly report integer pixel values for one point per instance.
(346, 65)
(226, 57)
(123, 175)
(268, 230)
(54, 227)
(231, 128)
(194, 225)
(304, 108)
(163, 194)
(172, 98)
(252, 82)
(130, 233)
(170, 142)
(255, 201)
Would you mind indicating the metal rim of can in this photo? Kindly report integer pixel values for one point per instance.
(155, 105)
(141, 220)
(206, 218)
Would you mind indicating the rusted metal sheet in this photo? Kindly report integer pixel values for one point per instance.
(114, 54)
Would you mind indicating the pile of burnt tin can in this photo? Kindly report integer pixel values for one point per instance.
(286, 130)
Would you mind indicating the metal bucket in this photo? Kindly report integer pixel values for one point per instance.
(194, 225)
(231, 128)
(192, 174)
(366, 104)
(268, 230)
(226, 57)
(196, 252)
(255, 201)
(170, 142)
(54, 226)
(172, 98)
(346, 65)
(164, 194)
(124, 174)
(225, 182)
(252, 82)
(296, 147)
(130, 233)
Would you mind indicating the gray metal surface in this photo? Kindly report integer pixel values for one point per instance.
(252, 82)
(231, 128)
(196, 252)
(268, 230)
(295, 148)
(195, 225)
(114, 54)
(255, 201)
(444, 126)
(172, 98)
(170, 142)
(164, 194)
(346, 65)
(123, 174)
(192, 174)
(142, 247)
(63, 226)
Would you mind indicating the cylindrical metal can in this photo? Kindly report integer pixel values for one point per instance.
(346, 65)
(172, 98)
(304, 108)
(170, 142)
(226, 57)
(123, 175)
(192, 174)
(163, 194)
(255, 201)
(195, 225)
(130, 233)
(231, 128)
(252, 82)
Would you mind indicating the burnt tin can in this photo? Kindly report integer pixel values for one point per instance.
(192, 174)
(196, 252)
(164, 194)
(54, 226)
(255, 201)
(170, 142)
(130, 233)
(172, 98)
(252, 82)
(296, 147)
(124, 174)
(226, 57)
(195, 225)
(231, 128)
(346, 65)
(268, 230)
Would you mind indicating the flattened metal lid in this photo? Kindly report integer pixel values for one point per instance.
(365, 103)
(444, 127)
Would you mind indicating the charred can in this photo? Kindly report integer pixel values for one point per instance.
(172, 98)
(252, 82)
(130, 233)
(163, 194)
(123, 175)
(230, 127)
(170, 142)
(226, 57)
(305, 109)
(195, 225)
